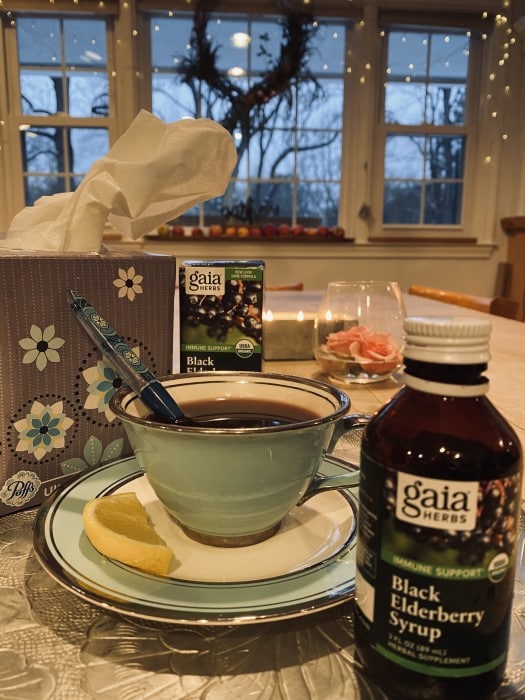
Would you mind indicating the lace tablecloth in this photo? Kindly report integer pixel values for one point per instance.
(55, 645)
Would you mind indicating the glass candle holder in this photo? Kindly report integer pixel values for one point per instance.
(358, 331)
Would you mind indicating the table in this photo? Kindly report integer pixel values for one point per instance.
(506, 369)
(55, 645)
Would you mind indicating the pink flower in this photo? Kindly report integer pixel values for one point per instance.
(375, 351)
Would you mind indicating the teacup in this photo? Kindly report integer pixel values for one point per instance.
(231, 484)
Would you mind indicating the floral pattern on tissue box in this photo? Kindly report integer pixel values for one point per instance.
(55, 419)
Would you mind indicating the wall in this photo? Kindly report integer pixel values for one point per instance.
(463, 268)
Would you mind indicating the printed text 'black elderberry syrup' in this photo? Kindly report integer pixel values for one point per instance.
(438, 513)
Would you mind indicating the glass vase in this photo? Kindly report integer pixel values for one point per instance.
(358, 333)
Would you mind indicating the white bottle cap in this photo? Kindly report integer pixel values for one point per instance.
(453, 340)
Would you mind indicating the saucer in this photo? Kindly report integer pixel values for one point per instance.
(307, 566)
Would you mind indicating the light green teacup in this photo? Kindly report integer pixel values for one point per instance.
(232, 486)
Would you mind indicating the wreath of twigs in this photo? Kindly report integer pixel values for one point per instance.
(200, 64)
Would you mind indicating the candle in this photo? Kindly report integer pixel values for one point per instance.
(288, 335)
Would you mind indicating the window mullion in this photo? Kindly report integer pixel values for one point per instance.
(11, 144)
(131, 49)
(475, 168)
(360, 202)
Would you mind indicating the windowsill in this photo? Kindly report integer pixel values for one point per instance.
(227, 240)
(314, 248)
(432, 240)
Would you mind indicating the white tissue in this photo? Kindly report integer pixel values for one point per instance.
(153, 173)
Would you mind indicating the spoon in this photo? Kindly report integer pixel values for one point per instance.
(126, 363)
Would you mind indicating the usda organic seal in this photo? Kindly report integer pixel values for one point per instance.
(244, 348)
(498, 567)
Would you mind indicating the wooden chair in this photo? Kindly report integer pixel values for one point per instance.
(499, 306)
(292, 287)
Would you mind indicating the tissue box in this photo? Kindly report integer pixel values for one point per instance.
(55, 386)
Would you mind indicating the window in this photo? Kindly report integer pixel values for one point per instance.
(425, 122)
(381, 130)
(289, 144)
(63, 101)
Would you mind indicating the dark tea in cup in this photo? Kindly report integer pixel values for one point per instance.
(245, 458)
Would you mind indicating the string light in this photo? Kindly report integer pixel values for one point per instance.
(503, 38)
(504, 41)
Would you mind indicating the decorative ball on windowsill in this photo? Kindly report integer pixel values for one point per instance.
(267, 231)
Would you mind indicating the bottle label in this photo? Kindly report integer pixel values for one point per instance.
(435, 569)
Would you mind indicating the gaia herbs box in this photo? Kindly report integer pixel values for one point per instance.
(220, 309)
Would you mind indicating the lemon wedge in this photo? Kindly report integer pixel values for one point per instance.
(119, 528)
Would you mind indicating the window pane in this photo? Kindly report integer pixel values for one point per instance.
(191, 217)
(38, 41)
(213, 206)
(278, 113)
(214, 106)
(404, 103)
(85, 43)
(401, 202)
(318, 203)
(272, 200)
(404, 156)
(407, 55)
(38, 186)
(319, 155)
(443, 203)
(169, 41)
(272, 154)
(241, 168)
(322, 107)
(42, 149)
(445, 105)
(171, 100)
(41, 92)
(449, 56)
(445, 157)
(232, 36)
(329, 52)
(88, 95)
(266, 42)
(87, 146)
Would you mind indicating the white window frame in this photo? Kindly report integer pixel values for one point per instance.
(468, 130)
(13, 120)
(363, 157)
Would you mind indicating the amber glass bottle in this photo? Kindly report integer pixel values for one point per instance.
(438, 515)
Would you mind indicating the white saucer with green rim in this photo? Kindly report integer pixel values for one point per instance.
(307, 566)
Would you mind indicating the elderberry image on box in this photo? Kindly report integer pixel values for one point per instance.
(221, 305)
